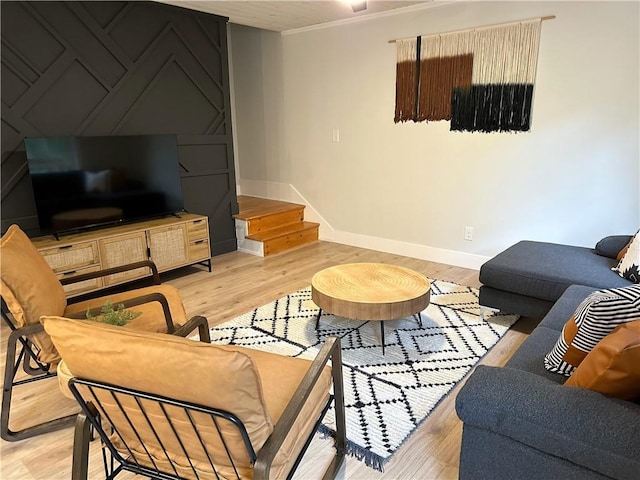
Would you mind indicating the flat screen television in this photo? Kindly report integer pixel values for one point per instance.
(87, 182)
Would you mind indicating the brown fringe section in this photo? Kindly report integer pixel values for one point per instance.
(405, 91)
(438, 77)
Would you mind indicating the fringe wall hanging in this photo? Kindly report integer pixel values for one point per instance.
(480, 79)
(445, 64)
(406, 80)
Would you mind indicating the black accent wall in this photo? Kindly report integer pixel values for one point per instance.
(119, 68)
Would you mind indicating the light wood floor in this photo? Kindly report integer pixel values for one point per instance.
(239, 283)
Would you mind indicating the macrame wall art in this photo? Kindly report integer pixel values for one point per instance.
(481, 80)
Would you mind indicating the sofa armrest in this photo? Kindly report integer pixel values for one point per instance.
(579, 425)
(610, 246)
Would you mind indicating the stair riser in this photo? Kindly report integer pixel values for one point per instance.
(275, 220)
(285, 242)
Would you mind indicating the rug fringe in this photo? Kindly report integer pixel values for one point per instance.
(361, 454)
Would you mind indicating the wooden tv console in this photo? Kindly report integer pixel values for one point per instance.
(171, 242)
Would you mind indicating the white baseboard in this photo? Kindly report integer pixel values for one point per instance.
(288, 193)
(423, 252)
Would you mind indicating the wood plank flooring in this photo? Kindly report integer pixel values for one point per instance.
(239, 283)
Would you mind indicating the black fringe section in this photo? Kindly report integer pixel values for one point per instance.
(492, 108)
(370, 459)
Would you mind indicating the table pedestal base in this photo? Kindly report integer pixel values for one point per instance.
(419, 314)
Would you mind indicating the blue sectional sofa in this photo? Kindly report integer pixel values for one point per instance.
(521, 422)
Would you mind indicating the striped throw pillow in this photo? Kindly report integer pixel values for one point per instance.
(594, 319)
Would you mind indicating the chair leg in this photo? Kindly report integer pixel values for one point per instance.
(38, 369)
(81, 439)
(7, 391)
(341, 429)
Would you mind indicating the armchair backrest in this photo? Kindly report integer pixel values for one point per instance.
(173, 367)
(29, 286)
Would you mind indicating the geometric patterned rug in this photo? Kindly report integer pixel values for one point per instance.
(386, 396)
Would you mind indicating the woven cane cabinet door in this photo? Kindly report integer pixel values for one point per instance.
(122, 250)
(168, 246)
(75, 259)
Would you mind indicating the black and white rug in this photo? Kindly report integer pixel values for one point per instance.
(386, 396)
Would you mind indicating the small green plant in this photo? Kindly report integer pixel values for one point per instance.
(113, 315)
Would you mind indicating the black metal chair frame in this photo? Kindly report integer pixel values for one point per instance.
(28, 353)
(94, 417)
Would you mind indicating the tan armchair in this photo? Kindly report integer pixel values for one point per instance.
(30, 289)
(168, 407)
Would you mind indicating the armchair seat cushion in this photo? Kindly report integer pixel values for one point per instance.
(151, 317)
(280, 377)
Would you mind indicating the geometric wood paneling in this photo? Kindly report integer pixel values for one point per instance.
(119, 68)
(203, 167)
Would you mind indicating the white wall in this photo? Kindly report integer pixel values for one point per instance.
(412, 188)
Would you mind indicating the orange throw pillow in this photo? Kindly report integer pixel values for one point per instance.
(622, 252)
(613, 366)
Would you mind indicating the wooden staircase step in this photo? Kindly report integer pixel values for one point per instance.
(282, 230)
(254, 207)
(263, 214)
(287, 236)
(272, 226)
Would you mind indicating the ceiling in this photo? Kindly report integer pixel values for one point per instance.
(283, 15)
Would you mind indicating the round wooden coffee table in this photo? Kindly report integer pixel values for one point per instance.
(370, 291)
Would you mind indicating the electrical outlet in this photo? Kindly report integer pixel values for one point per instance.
(468, 233)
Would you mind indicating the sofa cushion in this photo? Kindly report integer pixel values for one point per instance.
(530, 356)
(594, 318)
(545, 270)
(564, 308)
(629, 266)
(613, 366)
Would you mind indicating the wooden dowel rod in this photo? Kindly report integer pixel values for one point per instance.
(542, 19)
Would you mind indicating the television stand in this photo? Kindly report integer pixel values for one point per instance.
(171, 242)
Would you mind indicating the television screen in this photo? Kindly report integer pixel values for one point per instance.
(81, 182)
